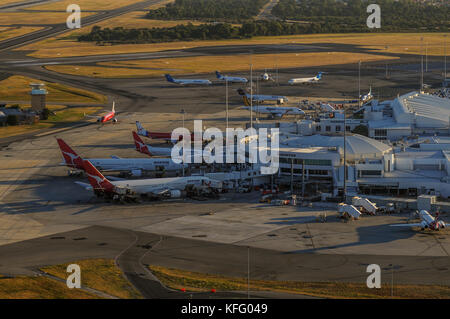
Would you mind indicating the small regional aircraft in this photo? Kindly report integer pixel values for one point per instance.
(367, 97)
(258, 98)
(170, 79)
(314, 79)
(427, 222)
(133, 166)
(230, 79)
(276, 111)
(130, 189)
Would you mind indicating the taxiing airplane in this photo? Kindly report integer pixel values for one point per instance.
(134, 166)
(230, 79)
(427, 222)
(259, 98)
(187, 81)
(314, 79)
(155, 187)
(111, 115)
(367, 97)
(276, 111)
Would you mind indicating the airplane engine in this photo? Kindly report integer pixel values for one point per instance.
(114, 120)
(175, 194)
(136, 173)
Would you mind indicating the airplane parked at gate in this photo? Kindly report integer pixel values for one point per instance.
(134, 166)
(367, 97)
(276, 111)
(129, 189)
(158, 135)
(259, 98)
(427, 222)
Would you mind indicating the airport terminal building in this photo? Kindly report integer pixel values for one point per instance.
(410, 114)
(373, 167)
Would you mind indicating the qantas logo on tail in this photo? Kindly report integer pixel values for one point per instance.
(71, 158)
(96, 179)
(140, 145)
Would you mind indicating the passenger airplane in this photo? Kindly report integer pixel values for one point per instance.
(143, 148)
(258, 98)
(315, 79)
(266, 76)
(230, 79)
(157, 135)
(111, 115)
(155, 187)
(187, 81)
(367, 97)
(134, 166)
(427, 221)
(276, 111)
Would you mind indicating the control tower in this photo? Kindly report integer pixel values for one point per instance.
(38, 96)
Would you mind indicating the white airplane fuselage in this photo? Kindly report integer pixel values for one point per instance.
(155, 185)
(133, 164)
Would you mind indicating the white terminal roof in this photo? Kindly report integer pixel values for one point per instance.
(422, 110)
(357, 146)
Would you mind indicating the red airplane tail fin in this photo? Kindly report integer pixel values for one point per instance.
(96, 179)
(71, 158)
(141, 147)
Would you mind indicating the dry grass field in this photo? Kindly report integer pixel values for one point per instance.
(408, 43)
(35, 18)
(99, 274)
(84, 5)
(208, 64)
(39, 288)
(192, 281)
(61, 114)
(17, 88)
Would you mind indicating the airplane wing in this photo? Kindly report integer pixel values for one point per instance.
(407, 225)
(86, 186)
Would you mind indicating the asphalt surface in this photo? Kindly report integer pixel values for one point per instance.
(53, 30)
(46, 219)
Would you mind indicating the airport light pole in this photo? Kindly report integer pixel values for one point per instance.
(445, 57)
(251, 91)
(345, 155)
(183, 112)
(426, 57)
(421, 76)
(226, 100)
(359, 83)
